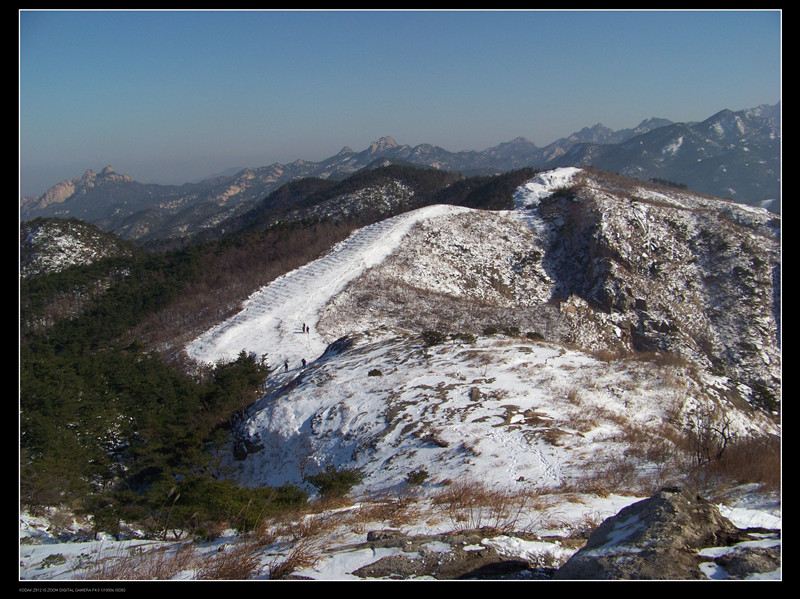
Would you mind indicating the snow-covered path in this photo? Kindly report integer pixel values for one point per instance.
(271, 320)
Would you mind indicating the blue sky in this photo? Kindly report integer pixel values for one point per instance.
(170, 97)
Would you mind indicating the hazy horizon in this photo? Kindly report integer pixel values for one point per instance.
(173, 96)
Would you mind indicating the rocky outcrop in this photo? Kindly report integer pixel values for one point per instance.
(674, 535)
(465, 555)
(65, 190)
(669, 537)
(465, 559)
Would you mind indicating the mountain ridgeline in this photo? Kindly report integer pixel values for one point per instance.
(732, 155)
(540, 275)
(608, 263)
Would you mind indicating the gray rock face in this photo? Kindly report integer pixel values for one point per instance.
(421, 560)
(659, 539)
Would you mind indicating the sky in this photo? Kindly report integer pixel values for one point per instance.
(176, 96)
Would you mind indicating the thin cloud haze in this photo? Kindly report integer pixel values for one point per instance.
(172, 96)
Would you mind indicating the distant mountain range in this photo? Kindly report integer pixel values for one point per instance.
(732, 155)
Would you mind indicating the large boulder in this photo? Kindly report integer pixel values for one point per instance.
(657, 538)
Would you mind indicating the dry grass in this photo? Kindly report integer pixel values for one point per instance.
(234, 562)
(605, 477)
(606, 355)
(141, 563)
(238, 562)
(653, 456)
(321, 517)
(472, 505)
(574, 397)
(303, 554)
(752, 460)
(404, 510)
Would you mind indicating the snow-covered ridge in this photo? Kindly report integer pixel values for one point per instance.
(271, 320)
(509, 261)
(53, 245)
(598, 247)
(543, 185)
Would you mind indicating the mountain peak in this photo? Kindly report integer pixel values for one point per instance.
(597, 127)
(516, 142)
(383, 144)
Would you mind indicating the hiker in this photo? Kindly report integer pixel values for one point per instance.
(286, 365)
(304, 362)
(304, 327)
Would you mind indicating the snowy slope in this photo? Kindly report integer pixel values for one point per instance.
(499, 409)
(271, 321)
(508, 413)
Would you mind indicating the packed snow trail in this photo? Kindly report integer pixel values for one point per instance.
(272, 319)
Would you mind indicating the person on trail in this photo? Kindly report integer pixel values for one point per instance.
(304, 362)
(304, 327)
(286, 365)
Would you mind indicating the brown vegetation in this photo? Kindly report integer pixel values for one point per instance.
(230, 272)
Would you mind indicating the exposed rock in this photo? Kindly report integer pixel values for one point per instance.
(382, 535)
(604, 263)
(443, 557)
(745, 561)
(660, 539)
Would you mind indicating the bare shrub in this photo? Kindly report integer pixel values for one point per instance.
(471, 505)
(141, 563)
(604, 477)
(61, 519)
(238, 562)
(638, 440)
(302, 555)
(749, 460)
(707, 433)
(587, 523)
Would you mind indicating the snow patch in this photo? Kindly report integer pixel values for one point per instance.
(544, 185)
